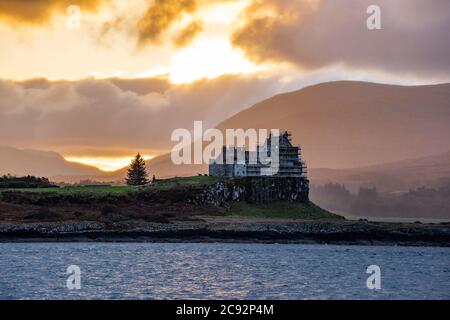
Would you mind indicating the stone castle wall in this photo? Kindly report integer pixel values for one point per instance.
(264, 189)
(271, 189)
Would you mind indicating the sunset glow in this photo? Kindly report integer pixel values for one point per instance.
(105, 163)
(207, 58)
(209, 54)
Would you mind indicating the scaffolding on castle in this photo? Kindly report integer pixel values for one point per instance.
(288, 164)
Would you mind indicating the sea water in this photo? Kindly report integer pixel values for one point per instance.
(220, 271)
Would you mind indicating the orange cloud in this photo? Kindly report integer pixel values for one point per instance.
(160, 16)
(187, 34)
(163, 14)
(40, 11)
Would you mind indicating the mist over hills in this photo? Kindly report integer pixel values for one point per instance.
(40, 163)
(431, 171)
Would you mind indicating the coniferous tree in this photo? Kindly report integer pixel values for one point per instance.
(137, 174)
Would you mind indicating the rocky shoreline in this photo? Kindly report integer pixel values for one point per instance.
(237, 230)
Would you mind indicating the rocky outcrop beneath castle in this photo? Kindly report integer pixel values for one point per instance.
(271, 189)
(220, 194)
(256, 190)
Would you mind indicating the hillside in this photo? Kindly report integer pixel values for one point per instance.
(389, 177)
(40, 163)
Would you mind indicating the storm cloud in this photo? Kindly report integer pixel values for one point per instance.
(316, 34)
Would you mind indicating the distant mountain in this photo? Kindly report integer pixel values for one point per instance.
(403, 175)
(40, 163)
(348, 124)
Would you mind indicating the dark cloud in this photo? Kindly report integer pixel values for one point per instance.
(160, 16)
(149, 29)
(314, 34)
(40, 11)
(186, 35)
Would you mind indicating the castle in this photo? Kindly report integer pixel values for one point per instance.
(263, 182)
(237, 162)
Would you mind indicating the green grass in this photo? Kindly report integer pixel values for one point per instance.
(78, 189)
(163, 184)
(281, 210)
(184, 181)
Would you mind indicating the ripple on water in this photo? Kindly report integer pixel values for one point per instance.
(221, 271)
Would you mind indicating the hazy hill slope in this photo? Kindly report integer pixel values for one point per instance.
(40, 163)
(390, 177)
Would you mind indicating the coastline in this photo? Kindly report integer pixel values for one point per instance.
(192, 209)
(235, 230)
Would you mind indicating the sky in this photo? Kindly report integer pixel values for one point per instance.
(100, 80)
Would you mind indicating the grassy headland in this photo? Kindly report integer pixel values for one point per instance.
(163, 201)
(177, 182)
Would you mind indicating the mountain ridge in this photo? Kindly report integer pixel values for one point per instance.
(40, 163)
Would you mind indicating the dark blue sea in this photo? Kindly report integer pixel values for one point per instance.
(221, 271)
